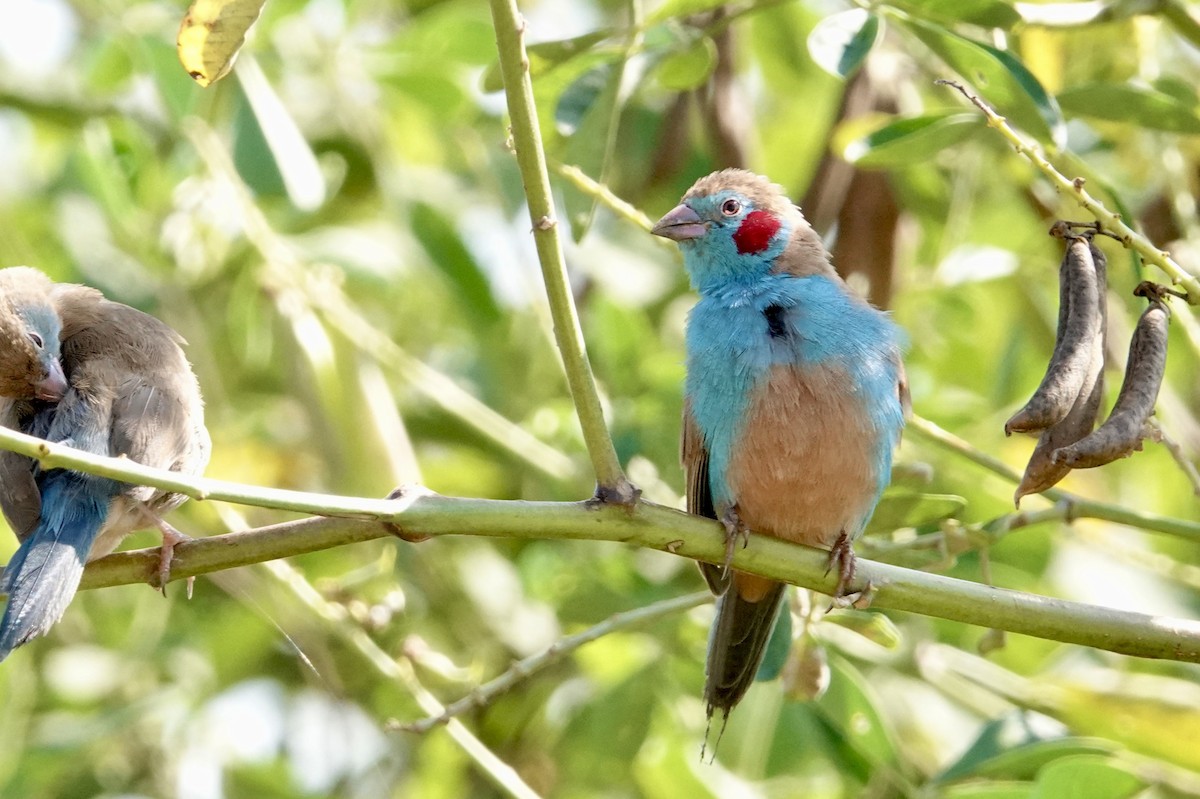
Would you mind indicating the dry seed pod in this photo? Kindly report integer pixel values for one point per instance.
(1080, 293)
(1124, 429)
(1043, 472)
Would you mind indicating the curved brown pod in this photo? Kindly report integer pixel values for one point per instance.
(1080, 292)
(1043, 472)
(1123, 431)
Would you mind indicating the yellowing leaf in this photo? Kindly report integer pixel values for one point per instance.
(211, 34)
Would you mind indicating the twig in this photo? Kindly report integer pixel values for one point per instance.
(502, 775)
(1109, 220)
(604, 195)
(1079, 506)
(528, 667)
(1181, 459)
(527, 140)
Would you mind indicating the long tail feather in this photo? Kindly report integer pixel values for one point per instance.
(45, 571)
(736, 646)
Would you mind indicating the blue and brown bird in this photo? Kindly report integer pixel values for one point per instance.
(98, 376)
(794, 401)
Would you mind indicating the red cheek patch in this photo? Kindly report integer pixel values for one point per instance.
(755, 233)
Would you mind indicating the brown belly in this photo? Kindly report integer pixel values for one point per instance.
(804, 467)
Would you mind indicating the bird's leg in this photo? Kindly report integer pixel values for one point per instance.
(842, 553)
(170, 538)
(735, 528)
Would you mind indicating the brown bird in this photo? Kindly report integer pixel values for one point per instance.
(131, 392)
(793, 401)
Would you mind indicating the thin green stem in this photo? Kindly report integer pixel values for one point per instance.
(527, 141)
(526, 668)
(1110, 221)
(605, 196)
(1079, 506)
(502, 775)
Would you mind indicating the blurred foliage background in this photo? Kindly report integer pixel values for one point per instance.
(338, 230)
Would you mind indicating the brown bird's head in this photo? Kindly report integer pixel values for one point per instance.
(29, 337)
(735, 226)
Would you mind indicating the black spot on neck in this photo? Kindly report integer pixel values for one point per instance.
(776, 321)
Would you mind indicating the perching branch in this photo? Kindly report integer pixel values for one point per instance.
(527, 141)
(655, 527)
(418, 514)
(1110, 221)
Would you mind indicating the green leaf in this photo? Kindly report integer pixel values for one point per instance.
(1086, 777)
(545, 56)
(912, 140)
(1122, 102)
(588, 112)
(777, 648)
(1182, 90)
(1016, 746)
(850, 707)
(985, 13)
(999, 78)
(252, 155)
(875, 627)
(899, 508)
(179, 92)
(444, 244)
(579, 99)
(688, 69)
(840, 42)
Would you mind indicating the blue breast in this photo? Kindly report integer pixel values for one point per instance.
(731, 351)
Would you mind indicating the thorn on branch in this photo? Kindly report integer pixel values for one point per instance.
(546, 223)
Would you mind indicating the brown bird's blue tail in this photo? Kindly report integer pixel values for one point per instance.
(44, 573)
(737, 644)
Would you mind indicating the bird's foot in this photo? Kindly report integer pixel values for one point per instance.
(171, 537)
(842, 553)
(859, 600)
(735, 529)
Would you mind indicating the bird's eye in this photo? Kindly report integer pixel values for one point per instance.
(731, 207)
(37, 340)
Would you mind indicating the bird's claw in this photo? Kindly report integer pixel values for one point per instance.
(859, 600)
(842, 553)
(735, 529)
(171, 537)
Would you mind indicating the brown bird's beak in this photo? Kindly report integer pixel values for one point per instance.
(53, 386)
(680, 223)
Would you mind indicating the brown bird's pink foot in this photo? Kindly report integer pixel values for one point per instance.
(735, 529)
(171, 537)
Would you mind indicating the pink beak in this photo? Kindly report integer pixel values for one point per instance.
(53, 386)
